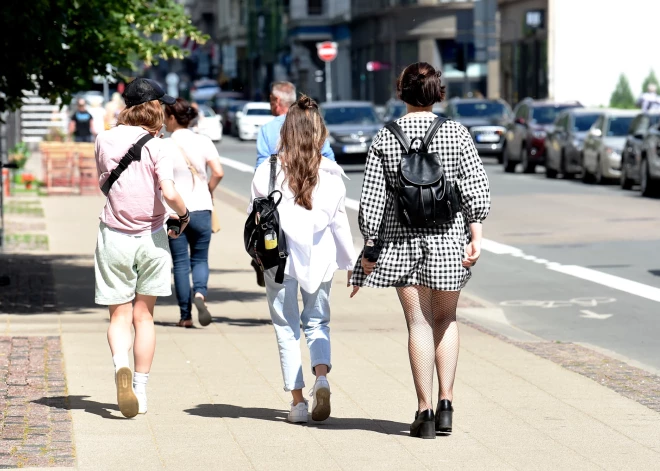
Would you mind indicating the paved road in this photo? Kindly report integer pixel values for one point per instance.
(565, 261)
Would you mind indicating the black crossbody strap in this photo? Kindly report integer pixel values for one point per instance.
(432, 130)
(395, 129)
(134, 153)
(273, 173)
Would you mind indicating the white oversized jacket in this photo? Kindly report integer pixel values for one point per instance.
(319, 239)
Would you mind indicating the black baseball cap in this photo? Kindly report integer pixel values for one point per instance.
(142, 90)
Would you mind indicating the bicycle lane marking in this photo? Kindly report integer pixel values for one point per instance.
(497, 248)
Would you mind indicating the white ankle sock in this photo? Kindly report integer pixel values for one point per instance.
(140, 382)
(121, 361)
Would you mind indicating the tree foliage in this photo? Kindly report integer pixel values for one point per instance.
(56, 47)
(622, 96)
(650, 79)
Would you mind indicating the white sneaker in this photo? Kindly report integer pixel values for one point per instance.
(321, 395)
(298, 413)
(142, 402)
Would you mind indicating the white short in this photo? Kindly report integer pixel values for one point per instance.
(125, 265)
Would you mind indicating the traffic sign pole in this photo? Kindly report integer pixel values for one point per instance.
(328, 82)
(327, 52)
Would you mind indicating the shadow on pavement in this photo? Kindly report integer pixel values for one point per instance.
(80, 403)
(44, 284)
(228, 411)
(242, 322)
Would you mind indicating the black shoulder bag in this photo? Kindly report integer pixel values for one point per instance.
(134, 153)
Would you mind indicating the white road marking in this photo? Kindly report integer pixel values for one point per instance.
(235, 164)
(592, 315)
(611, 281)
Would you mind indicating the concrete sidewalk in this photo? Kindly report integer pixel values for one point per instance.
(216, 398)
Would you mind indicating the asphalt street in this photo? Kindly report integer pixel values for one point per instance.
(564, 261)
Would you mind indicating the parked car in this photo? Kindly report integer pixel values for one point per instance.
(525, 137)
(352, 126)
(636, 147)
(601, 157)
(229, 117)
(394, 109)
(250, 119)
(564, 144)
(209, 124)
(485, 119)
(204, 90)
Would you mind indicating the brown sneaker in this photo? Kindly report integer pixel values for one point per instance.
(203, 314)
(126, 398)
(187, 323)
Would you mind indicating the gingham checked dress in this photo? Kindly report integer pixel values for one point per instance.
(411, 256)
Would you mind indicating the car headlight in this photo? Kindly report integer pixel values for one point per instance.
(614, 155)
(539, 134)
(331, 139)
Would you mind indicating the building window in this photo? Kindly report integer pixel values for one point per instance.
(314, 7)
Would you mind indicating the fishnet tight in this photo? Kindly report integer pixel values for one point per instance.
(432, 339)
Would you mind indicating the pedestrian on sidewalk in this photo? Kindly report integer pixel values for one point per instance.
(132, 260)
(190, 251)
(282, 96)
(428, 266)
(313, 218)
(81, 123)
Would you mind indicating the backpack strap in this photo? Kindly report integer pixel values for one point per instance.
(400, 136)
(432, 130)
(134, 153)
(273, 173)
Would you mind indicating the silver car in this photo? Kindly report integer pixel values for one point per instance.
(601, 157)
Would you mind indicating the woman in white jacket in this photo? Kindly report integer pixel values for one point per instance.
(313, 217)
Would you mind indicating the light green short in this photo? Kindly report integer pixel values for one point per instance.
(125, 265)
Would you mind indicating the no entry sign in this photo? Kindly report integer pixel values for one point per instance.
(327, 51)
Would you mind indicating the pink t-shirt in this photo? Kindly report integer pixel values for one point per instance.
(135, 203)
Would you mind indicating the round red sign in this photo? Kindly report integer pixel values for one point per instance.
(327, 51)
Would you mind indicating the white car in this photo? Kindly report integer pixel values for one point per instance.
(250, 119)
(209, 123)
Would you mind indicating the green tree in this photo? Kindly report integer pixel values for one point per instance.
(56, 47)
(651, 79)
(622, 96)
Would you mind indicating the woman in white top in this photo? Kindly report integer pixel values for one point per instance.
(313, 217)
(196, 153)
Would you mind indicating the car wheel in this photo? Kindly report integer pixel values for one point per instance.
(586, 175)
(626, 183)
(563, 169)
(509, 167)
(550, 173)
(528, 167)
(648, 186)
(599, 172)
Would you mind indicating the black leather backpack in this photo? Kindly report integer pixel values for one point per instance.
(263, 236)
(423, 198)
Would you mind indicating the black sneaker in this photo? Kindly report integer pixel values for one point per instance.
(443, 416)
(260, 274)
(424, 425)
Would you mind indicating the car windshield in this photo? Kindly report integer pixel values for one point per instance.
(547, 114)
(619, 126)
(479, 109)
(396, 111)
(350, 115)
(206, 111)
(583, 122)
(258, 112)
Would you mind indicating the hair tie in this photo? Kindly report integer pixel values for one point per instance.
(421, 76)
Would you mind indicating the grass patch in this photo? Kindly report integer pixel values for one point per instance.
(26, 241)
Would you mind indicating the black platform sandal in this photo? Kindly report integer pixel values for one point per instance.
(424, 425)
(443, 416)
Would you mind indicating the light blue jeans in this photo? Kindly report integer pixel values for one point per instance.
(286, 316)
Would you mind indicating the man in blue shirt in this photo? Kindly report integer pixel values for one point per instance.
(282, 96)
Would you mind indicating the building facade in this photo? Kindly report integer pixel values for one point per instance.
(395, 33)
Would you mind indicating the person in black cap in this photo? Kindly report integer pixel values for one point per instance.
(132, 260)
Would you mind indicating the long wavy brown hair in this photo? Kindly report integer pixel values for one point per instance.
(301, 140)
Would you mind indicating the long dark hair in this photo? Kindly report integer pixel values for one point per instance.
(301, 140)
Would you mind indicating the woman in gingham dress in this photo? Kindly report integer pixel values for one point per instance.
(428, 267)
